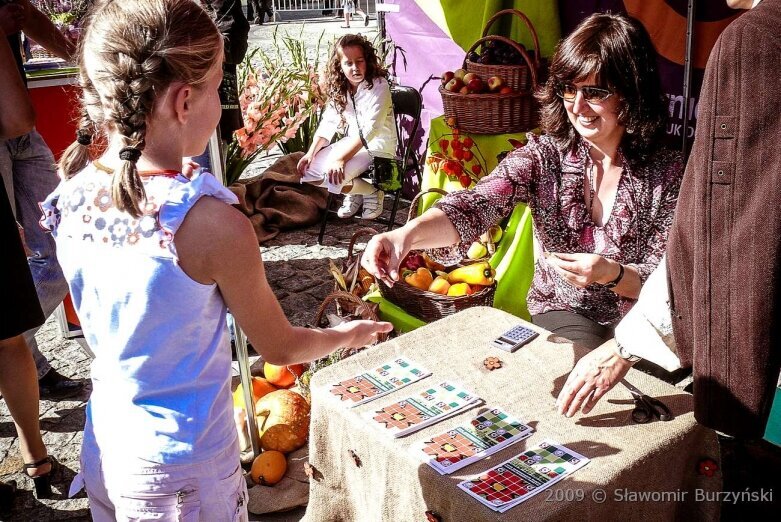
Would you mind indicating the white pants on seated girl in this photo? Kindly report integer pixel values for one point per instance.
(210, 491)
(354, 167)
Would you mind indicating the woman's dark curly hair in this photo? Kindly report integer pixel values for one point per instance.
(617, 50)
(337, 85)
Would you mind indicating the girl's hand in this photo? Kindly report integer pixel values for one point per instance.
(361, 333)
(592, 377)
(303, 164)
(583, 269)
(189, 167)
(336, 172)
(383, 255)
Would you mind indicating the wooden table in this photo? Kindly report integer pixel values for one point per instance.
(660, 458)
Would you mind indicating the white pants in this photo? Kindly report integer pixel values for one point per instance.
(211, 491)
(354, 167)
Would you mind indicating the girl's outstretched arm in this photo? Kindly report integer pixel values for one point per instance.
(216, 243)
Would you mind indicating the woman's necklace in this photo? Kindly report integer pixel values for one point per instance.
(590, 187)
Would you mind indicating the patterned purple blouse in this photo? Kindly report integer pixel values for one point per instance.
(551, 183)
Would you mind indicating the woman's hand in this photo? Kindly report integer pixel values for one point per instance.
(593, 376)
(303, 164)
(383, 255)
(361, 333)
(335, 172)
(584, 269)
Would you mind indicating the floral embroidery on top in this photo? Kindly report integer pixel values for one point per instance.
(551, 183)
(98, 220)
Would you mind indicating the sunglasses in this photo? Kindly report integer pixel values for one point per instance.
(567, 92)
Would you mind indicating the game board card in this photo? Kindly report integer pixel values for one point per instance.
(510, 483)
(471, 441)
(427, 407)
(379, 381)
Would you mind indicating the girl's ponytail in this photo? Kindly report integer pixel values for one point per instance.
(127, 190)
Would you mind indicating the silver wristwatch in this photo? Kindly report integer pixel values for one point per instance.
(624, 353)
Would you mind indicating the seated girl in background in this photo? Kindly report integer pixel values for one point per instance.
(153, 259)
(360, 108)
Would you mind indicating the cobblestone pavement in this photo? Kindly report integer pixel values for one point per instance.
(297, 269)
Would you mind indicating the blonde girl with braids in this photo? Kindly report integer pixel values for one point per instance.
(153, 259)
(360, 108)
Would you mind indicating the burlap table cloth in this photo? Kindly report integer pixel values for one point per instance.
(627, 459)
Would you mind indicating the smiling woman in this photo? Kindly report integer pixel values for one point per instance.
(601, 190)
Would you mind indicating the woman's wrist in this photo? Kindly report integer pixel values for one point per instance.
(613, 274)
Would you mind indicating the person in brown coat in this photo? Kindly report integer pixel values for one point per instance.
(723, 264)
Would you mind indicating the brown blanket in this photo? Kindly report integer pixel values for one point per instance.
(275, 200)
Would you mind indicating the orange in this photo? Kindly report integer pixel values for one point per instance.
(282, 376)
(260, 387)
(268, 468)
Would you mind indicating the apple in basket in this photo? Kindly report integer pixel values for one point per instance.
(460, 73)
(454, 85)
(447, 76)
(475, 85)
(506, 90)
(468, 77)
(464, 90)
(495, 83)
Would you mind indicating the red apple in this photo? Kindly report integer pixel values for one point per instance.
(475, 84)
(495, 83)
(468, 77)
(447, 76)
(454, 85)
(459, 73)
(464, 90)
(506, 90)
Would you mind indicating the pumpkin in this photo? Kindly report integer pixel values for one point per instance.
(282, 376)
(283, 421)
(260, 387)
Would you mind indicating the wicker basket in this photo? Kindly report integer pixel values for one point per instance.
(429, 306)
(516, 76)
(413, 211)
(493, 113)
(349, 307)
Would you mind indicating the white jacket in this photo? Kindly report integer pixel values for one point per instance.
(374, 114)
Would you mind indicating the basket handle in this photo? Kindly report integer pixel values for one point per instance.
(413, 206)
(528, 23)
(335, 296)
(365, 231)
(532, 65)
(341, 295)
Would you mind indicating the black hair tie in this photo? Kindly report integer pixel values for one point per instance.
(83, 137)
(129, 154)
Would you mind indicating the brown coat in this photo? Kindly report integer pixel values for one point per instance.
(724, 251)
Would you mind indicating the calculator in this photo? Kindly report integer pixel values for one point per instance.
(514, 338)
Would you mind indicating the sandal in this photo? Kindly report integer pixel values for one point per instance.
(43, 482)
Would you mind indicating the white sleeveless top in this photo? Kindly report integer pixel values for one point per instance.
(161, 374)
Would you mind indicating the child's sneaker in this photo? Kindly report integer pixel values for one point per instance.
(372, 205)
(350, 205)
